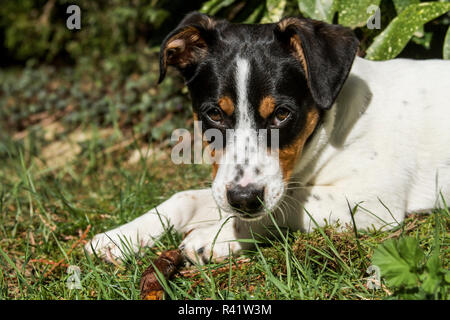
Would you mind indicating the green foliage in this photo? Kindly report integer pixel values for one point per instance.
(354, 13)
(275, 10)
(117, 32)
(398, 261)
(114, 30)
(406, 269)
(213, 6)
(394, 38)
(323, 10)
(401, 5)
(134, 103)
(403, 21)
(446, 50)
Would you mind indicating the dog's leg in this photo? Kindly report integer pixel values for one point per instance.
(183, 211)
(217, 241)
(320, 205)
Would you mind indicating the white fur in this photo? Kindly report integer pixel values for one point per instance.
(384, 146)
(242, 72)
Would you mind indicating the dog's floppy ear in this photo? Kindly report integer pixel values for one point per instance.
(325, 51)
(187, 44)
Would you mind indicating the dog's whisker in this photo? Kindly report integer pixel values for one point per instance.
(296, 200)
(294, 182)
(282, 211)
(295, 188)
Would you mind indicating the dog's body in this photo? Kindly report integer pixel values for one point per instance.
(380, 142)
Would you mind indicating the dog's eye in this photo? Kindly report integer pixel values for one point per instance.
(215, 115)
(280, 115)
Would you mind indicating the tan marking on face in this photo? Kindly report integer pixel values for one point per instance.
(215, 168)
(215, 165)
(266, 107)
(226, 104)
(290, 154)
(207, 149)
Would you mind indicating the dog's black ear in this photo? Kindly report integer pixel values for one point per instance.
(187, 44)
(325, 51)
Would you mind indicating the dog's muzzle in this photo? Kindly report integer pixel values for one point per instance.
(247, 201)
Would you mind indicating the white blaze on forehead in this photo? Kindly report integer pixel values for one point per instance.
(242, 72)
(244, 134)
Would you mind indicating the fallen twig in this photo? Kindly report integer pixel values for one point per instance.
(398, 233)
(49, 262)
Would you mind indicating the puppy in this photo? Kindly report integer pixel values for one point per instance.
(353, 135)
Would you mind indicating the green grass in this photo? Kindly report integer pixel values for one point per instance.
(44, 213)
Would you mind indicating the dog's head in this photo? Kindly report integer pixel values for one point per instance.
(253, 81)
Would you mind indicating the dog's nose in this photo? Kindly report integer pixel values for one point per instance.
(246, 199)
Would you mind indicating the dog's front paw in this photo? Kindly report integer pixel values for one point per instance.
(111, 246)
(201, 245)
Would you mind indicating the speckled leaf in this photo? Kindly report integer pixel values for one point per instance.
(420, 37)
(354, 13)
(318, 9)
(393, 39)
(275, 10)
(446, 50)
(401, 5)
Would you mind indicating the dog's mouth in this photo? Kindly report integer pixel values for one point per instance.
(247, 216)
(251, 217)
